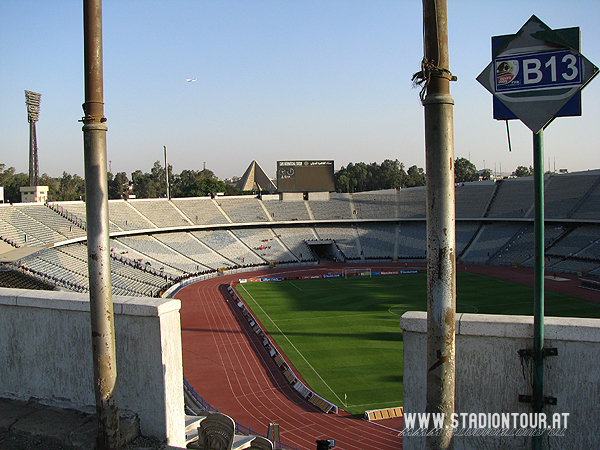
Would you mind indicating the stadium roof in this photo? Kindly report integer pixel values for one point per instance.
(255, 178)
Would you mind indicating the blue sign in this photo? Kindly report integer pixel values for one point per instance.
(533, 71)
(537, 74)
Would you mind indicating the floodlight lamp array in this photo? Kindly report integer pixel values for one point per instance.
(33, 100)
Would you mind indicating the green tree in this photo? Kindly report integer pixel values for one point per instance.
(117, 185)
(486, 174)
(151, 184)
(522, 171)
(71, 187)
(390, 174)
(415, 177)
(5, 174)
(464, 171)
(52, 183)
(12, 185)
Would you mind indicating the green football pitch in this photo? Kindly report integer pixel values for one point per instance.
(343, 335)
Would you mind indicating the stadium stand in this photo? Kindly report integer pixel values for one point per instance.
(375, 205)
(345, 237)
(171, 261)
(295, 239)
(412, 240)
(335, 208)
(49, 218)
(563, 191)
(473, 198)
(126, 217)
(25, 229)
(519, 249)
(491, 238)
(513, 198)
(230, 247)
(494, 226)
(265, 243)
(201, 211)
(412, 203)
(284, 211)
(161, 212)
(588, 207)
(243, 209)
(377, 239)
(187, 244)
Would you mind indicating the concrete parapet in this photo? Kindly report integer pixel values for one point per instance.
(46, 353)
(490, 376)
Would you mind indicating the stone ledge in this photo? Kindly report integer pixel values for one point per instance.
(520, 327)
(73, 301)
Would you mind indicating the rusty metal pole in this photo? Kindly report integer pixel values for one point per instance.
(96, 187)
(441, 242)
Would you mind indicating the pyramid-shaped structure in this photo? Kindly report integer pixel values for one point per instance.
(255, 178)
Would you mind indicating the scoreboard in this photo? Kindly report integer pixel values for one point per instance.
(305, 176)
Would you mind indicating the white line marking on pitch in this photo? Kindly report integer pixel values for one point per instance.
(294, 286)
(298, 351)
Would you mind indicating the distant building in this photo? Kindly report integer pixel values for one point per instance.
(34, 194)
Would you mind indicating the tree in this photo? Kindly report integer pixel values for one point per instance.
(390, 174)
(415, 177)
(464, 171)
(52, 183)
(522, 171)
(486, 174)
(150, 185)
(5, 174)
(12, 191)
(71, 187)
(117, 185)
(188, 182)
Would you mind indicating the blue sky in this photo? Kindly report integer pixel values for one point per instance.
(276, 80)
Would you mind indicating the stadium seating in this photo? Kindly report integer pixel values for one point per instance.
(201, 235)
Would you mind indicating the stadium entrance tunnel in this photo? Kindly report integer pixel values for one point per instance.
(326, 250)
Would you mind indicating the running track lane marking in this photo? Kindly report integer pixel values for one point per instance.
(298, 351)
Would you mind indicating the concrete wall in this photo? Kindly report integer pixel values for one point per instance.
(318, 196)
(46, 353)
(490, 375)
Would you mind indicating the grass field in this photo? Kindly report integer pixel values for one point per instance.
(343, 336)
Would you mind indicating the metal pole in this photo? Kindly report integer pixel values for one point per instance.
(96, 185)
(538, 289)
(167, 174)
(441, 262)
(33, 161)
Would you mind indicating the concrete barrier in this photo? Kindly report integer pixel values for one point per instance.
(46, 353)
(490, 376)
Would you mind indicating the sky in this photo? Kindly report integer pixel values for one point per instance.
(276, 80)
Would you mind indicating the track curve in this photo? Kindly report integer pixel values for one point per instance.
(226, 363)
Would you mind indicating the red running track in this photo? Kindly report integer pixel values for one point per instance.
(226, 363)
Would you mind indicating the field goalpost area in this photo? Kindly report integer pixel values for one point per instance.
(357, 272)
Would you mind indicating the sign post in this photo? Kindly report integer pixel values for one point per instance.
(536, 75)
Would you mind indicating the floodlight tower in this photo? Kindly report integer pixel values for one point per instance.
(33, 100)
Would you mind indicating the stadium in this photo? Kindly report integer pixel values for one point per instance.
(197, 249)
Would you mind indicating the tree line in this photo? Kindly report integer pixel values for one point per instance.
(188, 183)
(355, 177)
